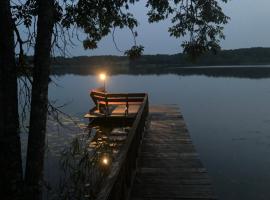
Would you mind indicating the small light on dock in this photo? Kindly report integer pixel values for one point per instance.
(103, 77)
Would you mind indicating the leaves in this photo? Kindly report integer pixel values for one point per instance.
(97, 18)
(25, 12)
(134, 52)
(89, 44)
(202, 20)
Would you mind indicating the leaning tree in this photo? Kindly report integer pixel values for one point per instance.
(52, 25)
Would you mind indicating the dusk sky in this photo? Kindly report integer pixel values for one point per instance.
(249, 27)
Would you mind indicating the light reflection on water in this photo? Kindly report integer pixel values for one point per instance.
(78, 158)
(228, 118)
(87, 161)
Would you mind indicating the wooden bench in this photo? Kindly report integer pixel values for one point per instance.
(104, 99)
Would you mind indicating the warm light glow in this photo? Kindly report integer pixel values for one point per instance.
(105, 161)
(102, 76)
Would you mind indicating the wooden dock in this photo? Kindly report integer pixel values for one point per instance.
(168, 164)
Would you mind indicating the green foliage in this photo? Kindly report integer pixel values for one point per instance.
(25, 12)
(89, 44)
(134, 52)
(201, 20)
(250, 56)
(97, 18)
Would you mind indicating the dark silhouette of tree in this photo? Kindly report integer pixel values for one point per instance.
(10, 152)
(51, 25)
(39, 100)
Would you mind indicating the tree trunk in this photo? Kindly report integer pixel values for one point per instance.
(39, 103)
(10, 153)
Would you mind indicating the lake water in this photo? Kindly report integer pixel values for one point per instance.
(228, 119)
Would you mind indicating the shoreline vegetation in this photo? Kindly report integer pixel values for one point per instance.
(227, 63)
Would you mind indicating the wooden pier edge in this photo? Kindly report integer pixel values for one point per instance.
(169, 166)
(158, 163)
(118, 183)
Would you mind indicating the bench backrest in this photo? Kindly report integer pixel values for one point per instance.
(116, 97)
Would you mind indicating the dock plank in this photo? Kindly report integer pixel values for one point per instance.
(169, 167)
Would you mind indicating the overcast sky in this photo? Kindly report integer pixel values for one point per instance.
(249, 27)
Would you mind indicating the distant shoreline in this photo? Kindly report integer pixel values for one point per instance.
(247, 63)
(244, 56)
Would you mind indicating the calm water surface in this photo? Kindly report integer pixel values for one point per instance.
(228, 119)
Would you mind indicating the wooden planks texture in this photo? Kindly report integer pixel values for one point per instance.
(169, 167)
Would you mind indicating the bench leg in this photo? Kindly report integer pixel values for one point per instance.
(98, 107)
(107, 110)
(126, 110)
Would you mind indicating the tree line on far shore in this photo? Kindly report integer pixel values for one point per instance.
(247, 56)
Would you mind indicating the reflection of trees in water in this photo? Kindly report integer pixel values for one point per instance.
(87, 161)
(214, 71)
(233, 71)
